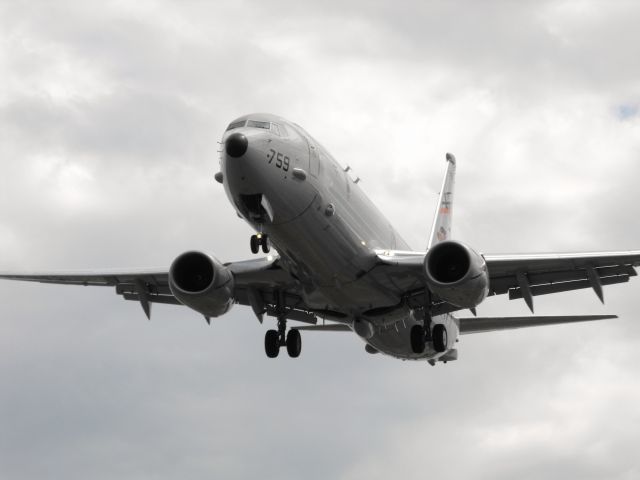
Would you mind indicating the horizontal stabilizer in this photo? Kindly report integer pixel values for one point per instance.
(329, 327)
(492, 324)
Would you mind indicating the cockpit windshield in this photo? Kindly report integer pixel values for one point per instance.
(273, 127)
(257, 124)
(237, 124)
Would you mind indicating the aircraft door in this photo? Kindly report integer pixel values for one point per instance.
(314, 153)
(314, 159)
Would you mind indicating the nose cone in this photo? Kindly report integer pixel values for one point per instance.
(236, 145)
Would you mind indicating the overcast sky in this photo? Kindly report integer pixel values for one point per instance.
(110, 114)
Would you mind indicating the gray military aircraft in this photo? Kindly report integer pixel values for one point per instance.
(340, 261)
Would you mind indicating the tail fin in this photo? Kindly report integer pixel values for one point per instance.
(441, 229)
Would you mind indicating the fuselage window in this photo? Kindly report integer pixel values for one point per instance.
(237, 124)
(256, 124)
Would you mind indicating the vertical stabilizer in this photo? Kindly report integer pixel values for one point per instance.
(441, 229)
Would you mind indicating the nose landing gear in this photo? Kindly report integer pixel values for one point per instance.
(260, 240)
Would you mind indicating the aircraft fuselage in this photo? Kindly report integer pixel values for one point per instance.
(325, 229)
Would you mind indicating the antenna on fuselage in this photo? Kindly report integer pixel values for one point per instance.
(348, 169)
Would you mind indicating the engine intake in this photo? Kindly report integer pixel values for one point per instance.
(457, 274)
(202, 283)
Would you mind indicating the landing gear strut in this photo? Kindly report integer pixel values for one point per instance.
(260, 240)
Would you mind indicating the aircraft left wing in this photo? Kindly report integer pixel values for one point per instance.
(257, 283)
(527, 276)
(519, 276)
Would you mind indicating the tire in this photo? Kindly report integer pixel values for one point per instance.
(417, 339)
(294, 343)
(440, 338)
(255, 246)
(266, 246)
(272, 343)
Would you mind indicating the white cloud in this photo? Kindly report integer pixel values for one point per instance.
(67, 185)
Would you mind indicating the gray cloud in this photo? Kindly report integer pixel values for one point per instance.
(109, 117)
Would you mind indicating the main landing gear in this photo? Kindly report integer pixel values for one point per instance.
(260, 240)
(275, 339)
(419, 338)
(439, 335)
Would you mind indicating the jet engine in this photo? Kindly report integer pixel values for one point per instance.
(457, 274)
(202, 283)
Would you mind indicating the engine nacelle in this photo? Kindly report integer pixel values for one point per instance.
(202, 283)
(457, 274)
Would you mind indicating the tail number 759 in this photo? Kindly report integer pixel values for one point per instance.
(281, 160)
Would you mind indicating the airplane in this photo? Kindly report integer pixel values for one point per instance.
(339, 265)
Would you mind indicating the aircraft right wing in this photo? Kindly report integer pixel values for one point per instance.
(260, 283)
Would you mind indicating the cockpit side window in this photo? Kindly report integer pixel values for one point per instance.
(238, 124)
(275, 128)
(257, 124)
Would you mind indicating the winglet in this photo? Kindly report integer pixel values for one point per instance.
(441, 228)
(451, 158)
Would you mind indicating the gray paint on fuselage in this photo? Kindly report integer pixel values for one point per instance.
(331, 255)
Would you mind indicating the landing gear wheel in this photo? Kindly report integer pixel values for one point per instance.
(417, 339)
(266, 246)
(272, 343)
(439, 338)
(255, 244)
(294, 343)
